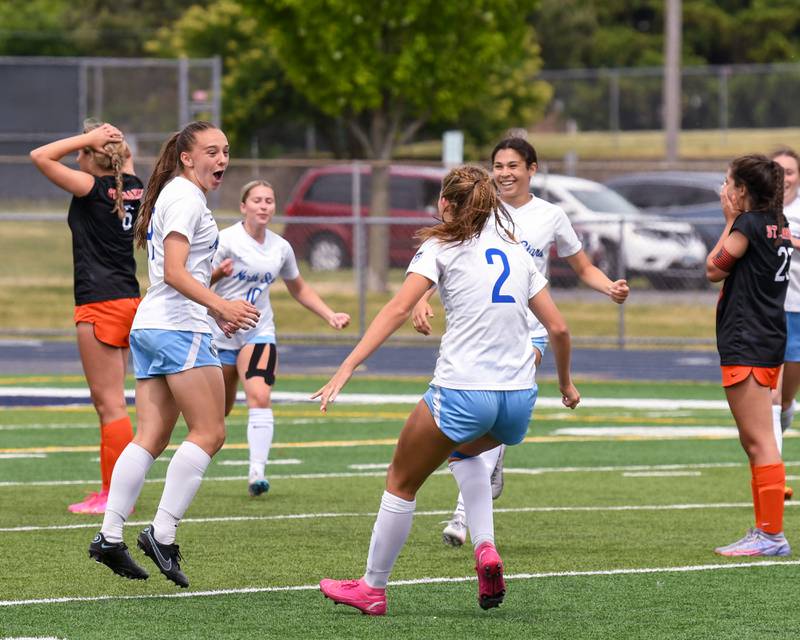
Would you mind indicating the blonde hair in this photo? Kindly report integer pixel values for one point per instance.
(472, 197)
(246, 189)
(112, 159)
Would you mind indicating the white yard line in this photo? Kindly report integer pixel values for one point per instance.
(420, 581)
(372, 514)
(393, 398)
(533, 471)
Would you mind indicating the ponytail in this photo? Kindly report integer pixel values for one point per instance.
(472, 196)
(776, 203)
(165, 169)
(763, 180)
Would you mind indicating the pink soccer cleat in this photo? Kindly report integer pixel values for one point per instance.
(491, 586)
(355, 593)
(98, 505)
(85, 505)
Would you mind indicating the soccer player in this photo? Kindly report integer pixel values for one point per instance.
(752, 257)
(105, 202)
(783, 404)
(482, 393)
(537, 225)
(177, 368)
(249, 259)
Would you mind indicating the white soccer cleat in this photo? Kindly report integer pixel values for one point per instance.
(497, 474)
(455, 533)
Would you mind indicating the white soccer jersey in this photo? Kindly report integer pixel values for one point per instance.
(180, 207)
(792, 213)
(256, 266)
(485, 285)
(537, 225)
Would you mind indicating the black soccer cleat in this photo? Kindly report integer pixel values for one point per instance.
(165, 556)
(116, 557)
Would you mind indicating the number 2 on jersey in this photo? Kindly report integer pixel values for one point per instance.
(782, 274)
(496, 295)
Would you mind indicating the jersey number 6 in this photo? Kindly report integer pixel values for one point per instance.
(496, 295)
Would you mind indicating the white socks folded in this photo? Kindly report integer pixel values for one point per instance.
(184, 474)
(472, 476)
(389, 534)
(260, 429)
(127, 481)
(781, 421)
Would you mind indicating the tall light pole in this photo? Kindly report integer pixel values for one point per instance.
(672, 77)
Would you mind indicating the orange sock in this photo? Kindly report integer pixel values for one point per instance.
(114, 437)
(769, 481)
(754, 490)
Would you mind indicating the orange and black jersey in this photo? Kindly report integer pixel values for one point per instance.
(102, 244)
(751, 325)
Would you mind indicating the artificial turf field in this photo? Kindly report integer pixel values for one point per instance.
(606, 526)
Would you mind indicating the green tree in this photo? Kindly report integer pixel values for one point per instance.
(36, 28)
(386, 68)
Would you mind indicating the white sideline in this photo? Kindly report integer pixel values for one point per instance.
(533, 471)
(372, 514)
(418, 581)
(391, 398)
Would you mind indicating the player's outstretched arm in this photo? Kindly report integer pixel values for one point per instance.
(593, 277)
(389, 319)
(548, 314)
(304, 293)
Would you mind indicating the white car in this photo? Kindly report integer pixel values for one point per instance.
(669, 253)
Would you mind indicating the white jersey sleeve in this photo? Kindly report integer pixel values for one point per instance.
(424, 261)
(567, 241)
(792, 213)
(289, 270)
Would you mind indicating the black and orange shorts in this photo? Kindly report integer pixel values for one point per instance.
(112, 319)
(765, 376)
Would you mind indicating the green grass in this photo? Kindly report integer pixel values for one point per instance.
(36, 294)
(632, 145)
(272, 554)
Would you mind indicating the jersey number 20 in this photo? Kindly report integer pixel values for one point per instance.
(496, 295)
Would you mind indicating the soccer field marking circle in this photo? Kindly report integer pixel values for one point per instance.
(414, 582)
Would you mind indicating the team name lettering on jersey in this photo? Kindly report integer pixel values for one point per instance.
(243, 276)
(129, 194)
(772, 232)
(536, 253)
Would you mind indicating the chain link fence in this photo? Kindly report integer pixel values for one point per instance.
(323, 210)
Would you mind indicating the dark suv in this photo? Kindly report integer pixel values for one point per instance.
(328, 193)
(691, 196)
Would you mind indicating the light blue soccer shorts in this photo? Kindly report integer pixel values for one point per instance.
(464, 415)
(160, 352)
(792, 337)
(228, 356)
(540, 344)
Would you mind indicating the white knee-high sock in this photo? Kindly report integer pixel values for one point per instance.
(776, 426)
(260, 427)
(127, 481)
(184, 474)
(389, 534)
(473, 480)
(490, 460)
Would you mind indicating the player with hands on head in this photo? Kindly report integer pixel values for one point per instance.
(105, 203)
(538, 225)
(483, 390)
(176, 364)
(752, 258)
(249, 259)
